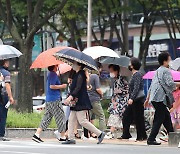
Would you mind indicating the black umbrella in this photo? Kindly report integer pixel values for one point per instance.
(69, 55)
(122, 61)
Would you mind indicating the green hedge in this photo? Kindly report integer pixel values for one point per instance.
(25, 120)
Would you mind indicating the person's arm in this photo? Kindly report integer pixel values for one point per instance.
(137, 83)
(97, 85)
(75, 92)
(53, 83)
(167, 77)
(79, 83)
(55, 87)
(9, 92)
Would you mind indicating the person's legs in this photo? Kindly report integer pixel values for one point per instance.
(98, 111)
(72, 124)
(58, 113)
(159, 118)
(3, 117)
(45, 120)
(138, 114)
(83, 121)
(167, 122)
(127, 121)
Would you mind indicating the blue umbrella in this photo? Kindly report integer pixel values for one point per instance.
(69, 55)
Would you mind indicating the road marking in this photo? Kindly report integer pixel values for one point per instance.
(17, 152)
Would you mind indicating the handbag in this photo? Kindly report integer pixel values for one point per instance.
(140, 95)
(169, 105)
(73, 102)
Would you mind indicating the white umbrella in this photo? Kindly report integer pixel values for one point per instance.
(100, 51)
(175, 64)
(7, 52)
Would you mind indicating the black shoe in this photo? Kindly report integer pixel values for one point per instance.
(101, 138)
(62, 140)
(69, 142)
(124, 137)
(153, 143)
(37, 139)
(4, 139)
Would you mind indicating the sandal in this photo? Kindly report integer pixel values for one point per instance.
(77, 136)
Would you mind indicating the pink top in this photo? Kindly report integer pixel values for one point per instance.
(176, 104)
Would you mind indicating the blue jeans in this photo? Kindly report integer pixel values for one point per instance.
(3, 116)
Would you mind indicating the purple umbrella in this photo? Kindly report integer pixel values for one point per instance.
(150, 75)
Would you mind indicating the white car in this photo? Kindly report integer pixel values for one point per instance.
(38, 103)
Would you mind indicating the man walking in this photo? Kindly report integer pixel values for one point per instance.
(95, 95)
(53, 106)
(5, 96)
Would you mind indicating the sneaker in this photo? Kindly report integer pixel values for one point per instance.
(37, 139)
(164, 133)
(57, 134)
(62, 139)
(179, 145)
(4, 139)
(164, 138)
(69, 142)
(101, 138)
(110, 135)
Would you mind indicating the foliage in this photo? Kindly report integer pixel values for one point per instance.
(25, 120)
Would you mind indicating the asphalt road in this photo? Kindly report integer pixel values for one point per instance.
(51, 147)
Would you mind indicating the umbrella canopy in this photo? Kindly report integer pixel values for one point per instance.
(175, 64)
(7, 52)
(46, 58)
(69, 55)
(150, 75)
(122, 61)
(63, 68)
(100, 51)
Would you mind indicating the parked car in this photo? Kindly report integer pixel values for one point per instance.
(38, 103)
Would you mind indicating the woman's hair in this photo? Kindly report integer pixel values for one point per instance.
(71, 73)
(115, 67)
(82, 65)
(163, 57)
(51, 68)
(135, 62)
(2, 62)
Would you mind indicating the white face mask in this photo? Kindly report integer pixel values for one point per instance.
(112, 75)
(75, 67)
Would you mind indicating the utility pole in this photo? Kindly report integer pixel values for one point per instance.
(125, 3)
(89, 30)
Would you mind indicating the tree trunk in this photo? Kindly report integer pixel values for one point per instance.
(25, 89)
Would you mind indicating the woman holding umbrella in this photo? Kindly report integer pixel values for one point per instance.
(78, 93)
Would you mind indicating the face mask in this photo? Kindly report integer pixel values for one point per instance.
(112, 75)
(129, 67)
(75, 67)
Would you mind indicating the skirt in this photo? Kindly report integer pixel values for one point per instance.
(114, 121)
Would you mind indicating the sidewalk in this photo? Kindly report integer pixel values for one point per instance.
(105, 141)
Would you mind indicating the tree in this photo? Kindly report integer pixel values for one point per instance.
(23, 19)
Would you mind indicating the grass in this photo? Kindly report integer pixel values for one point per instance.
(32, 120)
(25, 120)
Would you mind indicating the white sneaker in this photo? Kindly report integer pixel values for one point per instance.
(107, 137)
(164, 138)
(57, 134)
(110, 135)
(179, 145)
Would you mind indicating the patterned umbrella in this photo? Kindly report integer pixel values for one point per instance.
(69, 55)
